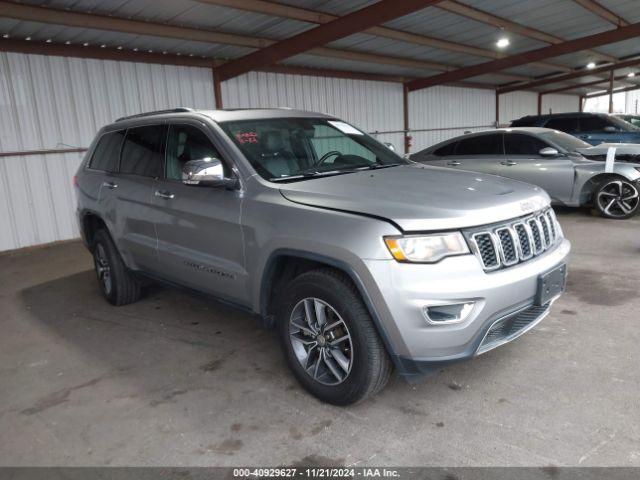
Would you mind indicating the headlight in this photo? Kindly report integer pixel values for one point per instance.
(426, 248)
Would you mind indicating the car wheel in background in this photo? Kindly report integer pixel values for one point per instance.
(329, 339)
(117, 284)
(616, 197)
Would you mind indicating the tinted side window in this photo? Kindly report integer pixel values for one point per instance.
(592, 124)
(187, 143)
(563, 124)
(480, 145)
(446, 150)
(143, 151)
(520, 144)
(107, 153)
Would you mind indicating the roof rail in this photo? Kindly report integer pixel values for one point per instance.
(156, 112)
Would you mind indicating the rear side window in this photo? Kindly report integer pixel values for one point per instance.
(107, 152)
(592, 124)
(446, 150)
(520, 144)
(143, 151)
(480, 145)
(563, 124)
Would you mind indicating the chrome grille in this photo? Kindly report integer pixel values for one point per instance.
(487, 250)
(508, 244)
(535, 233)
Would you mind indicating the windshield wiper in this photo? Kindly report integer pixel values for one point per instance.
(315, 173)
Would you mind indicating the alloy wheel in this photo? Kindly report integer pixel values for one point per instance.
(321, 341)
(618, 198)
(102, 268)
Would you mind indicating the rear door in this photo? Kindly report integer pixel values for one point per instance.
(523, 162)
(100, 175)
(200, 242)
(478, 153)
(141, 164)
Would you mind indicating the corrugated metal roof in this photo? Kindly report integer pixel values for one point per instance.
(563, 18)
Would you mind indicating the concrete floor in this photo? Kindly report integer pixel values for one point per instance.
(179, 380)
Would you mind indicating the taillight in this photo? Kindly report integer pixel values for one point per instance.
(74, 180)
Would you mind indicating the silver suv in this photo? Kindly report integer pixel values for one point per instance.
(362, 260)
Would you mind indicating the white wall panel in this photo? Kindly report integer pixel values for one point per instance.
(560, 103)
(453, 110)
(371, 106)
(54, 102)
(517, 104)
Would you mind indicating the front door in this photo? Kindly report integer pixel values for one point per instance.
(523, 162)
(200, 241)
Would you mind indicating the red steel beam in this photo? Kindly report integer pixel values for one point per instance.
(586, 84)
(570, 46)
(570, 76)
(603, 12)
(619, 90)
(355, 22)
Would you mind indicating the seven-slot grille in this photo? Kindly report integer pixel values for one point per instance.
(506, 245)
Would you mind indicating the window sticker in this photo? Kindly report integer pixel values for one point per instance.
(345, 128)
(247, 137)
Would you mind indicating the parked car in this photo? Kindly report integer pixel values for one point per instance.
(362, 260)
(593, 128)
(629, 118)
(551, 159)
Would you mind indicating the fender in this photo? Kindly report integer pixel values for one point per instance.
(353, 275)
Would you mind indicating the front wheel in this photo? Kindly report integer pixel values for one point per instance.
(617, 197)
(329, 339)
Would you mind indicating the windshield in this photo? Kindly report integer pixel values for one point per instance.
(564, 140)
(293, 149)
(622, 125)
(632, 119)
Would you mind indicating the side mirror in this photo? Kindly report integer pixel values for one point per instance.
(610, 129)
(390, 146)
(207, 172)
(549, 152)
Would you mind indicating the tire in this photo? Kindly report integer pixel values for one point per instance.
(361, 361)
(117, 284)
(617, 198)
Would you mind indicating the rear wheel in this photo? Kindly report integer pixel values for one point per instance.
(329, 339)
(617, 197)
(117, 284)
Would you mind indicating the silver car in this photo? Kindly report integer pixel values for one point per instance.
(549, 158)
(363, 261)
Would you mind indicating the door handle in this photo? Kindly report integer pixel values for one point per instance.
(454, 163)
(110, 185)
(164, 194)
(509, 163)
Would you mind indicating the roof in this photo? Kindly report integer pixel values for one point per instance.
(445, 36)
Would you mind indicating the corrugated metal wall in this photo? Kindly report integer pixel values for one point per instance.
(55, 102)
(371, 106)
(518, 104)
(439, 113)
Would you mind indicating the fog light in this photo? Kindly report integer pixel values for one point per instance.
(447, 313)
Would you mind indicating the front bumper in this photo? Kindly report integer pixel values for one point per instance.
(405, 289)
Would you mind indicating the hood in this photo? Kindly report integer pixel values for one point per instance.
(621, 149)
(421, 198)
